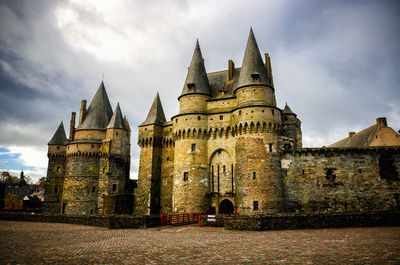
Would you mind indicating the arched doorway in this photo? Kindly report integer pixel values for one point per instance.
(226, 207)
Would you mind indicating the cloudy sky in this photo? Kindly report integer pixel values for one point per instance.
(336, 63)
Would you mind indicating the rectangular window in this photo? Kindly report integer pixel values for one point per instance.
(185, 176)
(93, 189)
(240, 112)
(193, 147)
(255, 205)
(58, 148)
(55, 189)
(198, 118)
(221, 117)
(273, 112)
(114, 187)
(270, 147)
(254, 175)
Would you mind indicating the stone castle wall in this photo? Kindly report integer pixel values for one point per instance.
(340, 180)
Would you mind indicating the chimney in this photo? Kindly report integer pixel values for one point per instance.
(351, 134)
(381, 122)
(72, 127)
(82, 113)
(231, 67)
(269, 68)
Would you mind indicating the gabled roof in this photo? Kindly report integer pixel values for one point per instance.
(376, 135)
(99, 112)
(287, 110)
(156, 113)
(59, 137)
(196, 80)
(252, 64)
(116, 122)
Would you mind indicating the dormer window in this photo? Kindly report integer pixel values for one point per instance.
(221, 92)
(255, 78)
(190, 87)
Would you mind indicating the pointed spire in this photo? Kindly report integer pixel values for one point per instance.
(116, 122)
(99, 112)
(287, 110)
(59, 137)
(252, 66)
(196, 79)
(156, 113)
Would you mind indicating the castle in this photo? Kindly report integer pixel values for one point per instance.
(88, 173)
(231, 149)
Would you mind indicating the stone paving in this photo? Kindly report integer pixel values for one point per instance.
(52, 243)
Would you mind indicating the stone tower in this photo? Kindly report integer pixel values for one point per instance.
(55, 170)
(291, 128)
(258, 175)
(150, 141)
(90, 170)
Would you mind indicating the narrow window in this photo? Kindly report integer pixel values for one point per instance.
(190, 87)
(273, 112)
(198, 118)
(193, 147)
(302, 171)
(117, 133)
(254, 175)
(167, 158)
(270, 147)
(91, 211)
(255, 205)
(255, 77)
(185, 176)
(56, 189)
(58, 169)
(221, 117)
(92, 145)
(240, 112)
(93, 189)
(359, 171)
(224, 168)
(262, 111)
(58, 148)
(176, 120)
(114, 187)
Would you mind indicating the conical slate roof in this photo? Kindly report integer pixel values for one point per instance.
(287, 110)
(252, 64)
(116, 122)
(99, 112)
(196, 79)
(156, 113)
(59, 137)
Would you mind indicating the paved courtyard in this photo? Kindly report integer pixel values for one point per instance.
(38, 243)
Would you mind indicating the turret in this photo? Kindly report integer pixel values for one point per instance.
(291, 126)
(55, 170)
(196, 88)
(147, 195)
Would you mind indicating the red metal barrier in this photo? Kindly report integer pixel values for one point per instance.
(182, 218)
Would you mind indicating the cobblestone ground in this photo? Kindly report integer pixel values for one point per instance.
(38, 243)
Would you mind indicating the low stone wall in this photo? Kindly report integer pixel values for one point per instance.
(110, 221)
(304, 220)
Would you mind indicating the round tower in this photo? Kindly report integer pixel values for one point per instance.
(257, 128)
(55, 170)
(190, 125)
(83, 156)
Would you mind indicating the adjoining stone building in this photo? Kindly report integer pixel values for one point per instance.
(88, 173)
(231, 149)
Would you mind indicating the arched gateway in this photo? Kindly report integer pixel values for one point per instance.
(226, 207)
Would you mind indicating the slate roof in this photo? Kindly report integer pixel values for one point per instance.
(287, 110)
(59, 137)
(360, 139)
(99, 112)
(156, 113)
(252, 64)
(196, 75)
(117, 122)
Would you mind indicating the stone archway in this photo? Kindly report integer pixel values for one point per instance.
(226, 207)
(221, 172)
